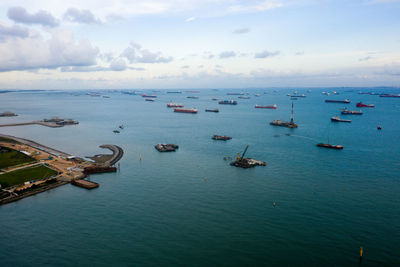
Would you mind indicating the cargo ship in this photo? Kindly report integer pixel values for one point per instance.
(186, 110)
(290, 124)
(330, 146)
(212, 110)
(235, 93)
(346, 101)
(389, 95)
(150, 99)
(351, 112)
(174, 105)
(193, 97)
(150, 96)
(228, 102)
(274, 106)
(303, 95)
(338, 119)
(362, 105)
(221, 137)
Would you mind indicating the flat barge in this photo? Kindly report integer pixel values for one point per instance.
(85, 184)
(346, 101)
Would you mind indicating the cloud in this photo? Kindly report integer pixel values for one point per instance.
(35, 52)
(136, 54)
(20, 15)
(365, 58)
(266, 54)
(185, 67)
(241, 31)
(227, 54)
(392, 70)
(96, 69)
(13, 31)
(190, 19)
(80, 16)
(299, 53)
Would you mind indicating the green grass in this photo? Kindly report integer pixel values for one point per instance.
(24, 175)
(8, 140)
(12, 158)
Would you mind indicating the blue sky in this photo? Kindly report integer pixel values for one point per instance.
(127, 44)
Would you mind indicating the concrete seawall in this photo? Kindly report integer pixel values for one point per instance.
(47, 124)
(117, 154)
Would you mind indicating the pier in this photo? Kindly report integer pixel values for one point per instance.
(85, 184)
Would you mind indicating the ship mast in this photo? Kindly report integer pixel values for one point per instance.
(291, 118)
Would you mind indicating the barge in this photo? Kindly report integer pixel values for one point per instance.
(186, 110)
(346, 101)
(166, 147)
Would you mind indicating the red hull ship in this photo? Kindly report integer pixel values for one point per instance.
(186, 110)
(361, 105)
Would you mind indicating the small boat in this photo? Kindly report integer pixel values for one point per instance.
(362, 105)
(228, 102)
(116, 131)
(303, 95)
(351, 112)
(221, 137)
(330, 146)
(121, 126)
(186, 110)
(338, 119)
(174, 92)
(274, 106)
(215, 99)
(379, 127)
(106, 96)
(257, 95)
(212, 110)
(196, 91)
(346, 101)
(150, 99)
(166, 147)
(244, 97)
(193, 97)
(174, 105)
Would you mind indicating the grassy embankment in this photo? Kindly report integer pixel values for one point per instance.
(24, 175)
(10, 157)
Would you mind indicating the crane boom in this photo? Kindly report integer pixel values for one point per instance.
(245, 150)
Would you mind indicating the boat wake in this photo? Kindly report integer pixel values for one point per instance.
(305, 137)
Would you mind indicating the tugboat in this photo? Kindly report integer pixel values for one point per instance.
(246, 162)
(351, 112)
(186, 110)
(221, 137)
(212, 110)
(174, 105)
(274, 106)
(166, 147)
(116, 131)
(379, 127)
(346, 101)
(361, 105)
(337, 119)
(290, 124)
(228, 102)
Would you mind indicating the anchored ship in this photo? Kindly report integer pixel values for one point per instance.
(228, 102)
(221, 137)
(212, 110)
(346, 101)
(338, 119)
(274, 106)
(174, 105)
(185, 110)
(362, 105)
(351, 112)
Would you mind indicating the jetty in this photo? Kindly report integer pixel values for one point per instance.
(55, 122)
(85, 184)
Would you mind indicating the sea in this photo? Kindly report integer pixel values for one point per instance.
(308, 206)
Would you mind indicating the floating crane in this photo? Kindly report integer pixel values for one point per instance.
(243, 162)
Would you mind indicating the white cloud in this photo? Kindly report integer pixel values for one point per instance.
(136, 54)
(42, 17)
(13, 32)
(80, 16)
(266, 54)
(241, 31)
(190, 19)
(35, 52)
(227, 54)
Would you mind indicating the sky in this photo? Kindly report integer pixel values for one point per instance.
(155, 44)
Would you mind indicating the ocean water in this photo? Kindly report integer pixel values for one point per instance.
(190, 207)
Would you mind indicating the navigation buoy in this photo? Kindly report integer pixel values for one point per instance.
(140, 156)
(274, 204)
(361, 253)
